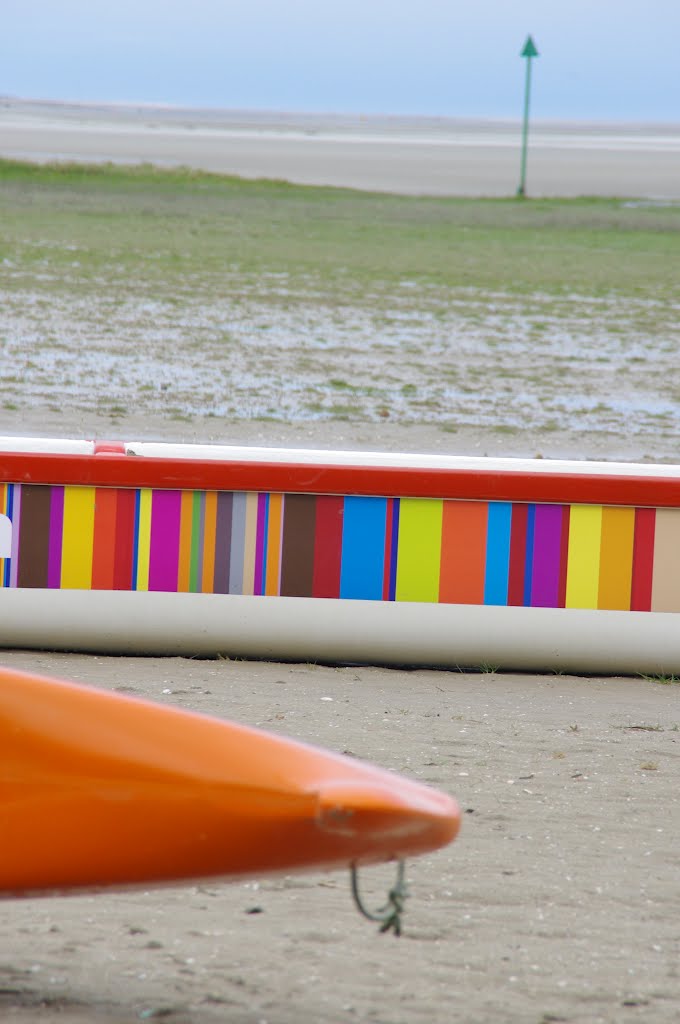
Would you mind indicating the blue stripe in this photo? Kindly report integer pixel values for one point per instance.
(497, 553)
(363, 548)
(135, 541)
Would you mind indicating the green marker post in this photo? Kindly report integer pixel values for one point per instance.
(529, 51)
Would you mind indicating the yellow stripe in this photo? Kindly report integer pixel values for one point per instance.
(78, 538)
(616, 558)
(144, 539)
(209, 538)
(420, 542)
(250, 543)
(583, 565)
(273, 569)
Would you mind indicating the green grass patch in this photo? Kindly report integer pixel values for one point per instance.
(170, 232)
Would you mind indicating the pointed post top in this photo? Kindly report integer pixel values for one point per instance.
(529, 48)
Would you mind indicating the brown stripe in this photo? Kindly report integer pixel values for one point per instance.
(34, 548)
(297, 554)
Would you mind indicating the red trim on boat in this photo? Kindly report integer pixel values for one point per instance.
(117, 470)
(109, 448)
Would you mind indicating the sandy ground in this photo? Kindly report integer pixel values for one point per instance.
(428, 156)
(558, 902)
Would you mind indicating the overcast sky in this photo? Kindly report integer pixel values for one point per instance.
(613, 59)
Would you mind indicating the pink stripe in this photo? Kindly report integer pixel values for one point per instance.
(56, 538)
(166, 507)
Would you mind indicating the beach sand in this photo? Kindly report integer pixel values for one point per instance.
(558, 902)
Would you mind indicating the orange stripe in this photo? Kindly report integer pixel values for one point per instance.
(104, 547)
(463, 552)
(616, 558)
(184, 567)
(273, 568)
(209, 541)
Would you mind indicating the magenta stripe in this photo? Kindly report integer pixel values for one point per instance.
(545, 577)
(166, 507)
(16, 531)
(259, 542)
(56, 538)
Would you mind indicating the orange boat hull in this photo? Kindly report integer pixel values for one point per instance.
(101, 790)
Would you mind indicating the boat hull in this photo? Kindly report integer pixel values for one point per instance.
(347, 632)
(340, 556)
(102, 790)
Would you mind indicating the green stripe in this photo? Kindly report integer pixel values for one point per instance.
(195, 562)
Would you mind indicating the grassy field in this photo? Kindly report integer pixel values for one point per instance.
(273, 301)
(161, 227)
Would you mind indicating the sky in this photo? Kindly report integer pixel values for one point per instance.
(599, 59)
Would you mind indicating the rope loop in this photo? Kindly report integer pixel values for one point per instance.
(389, 916)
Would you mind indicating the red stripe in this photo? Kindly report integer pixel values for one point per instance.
(643, 560)
(564, 558)
(327, 547)
(387, 560)
(125, 536)
(397, 481)
(518, 548)
(103, 553)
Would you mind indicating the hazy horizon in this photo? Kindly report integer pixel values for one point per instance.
(604, 62)
(280, 115)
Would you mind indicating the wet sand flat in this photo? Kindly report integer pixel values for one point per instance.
(425, 156)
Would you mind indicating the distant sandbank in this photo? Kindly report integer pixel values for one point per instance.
(407, 155)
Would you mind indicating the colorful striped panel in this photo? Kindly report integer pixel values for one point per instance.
(666, 572)
(419, 549)
(366, 548)
(298, 545)
(363, 548)
(464, 532)
(328, 521)
(583, 567)
(77, 537)
(643, 560)
(497, 553)
(616, 558)
(547, 569)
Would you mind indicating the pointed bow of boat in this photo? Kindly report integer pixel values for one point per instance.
(98, 789)
(388, 815)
